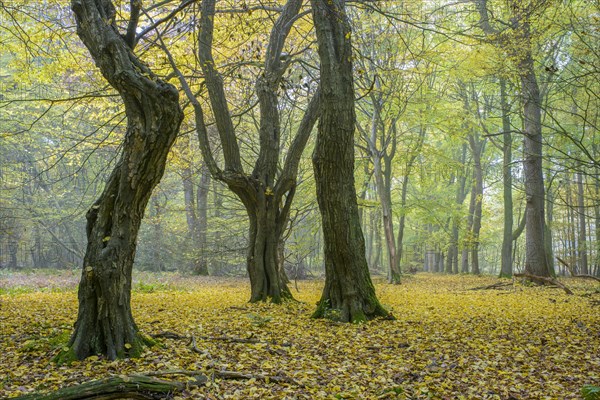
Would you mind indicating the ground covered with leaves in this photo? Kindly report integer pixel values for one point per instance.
(448, 342)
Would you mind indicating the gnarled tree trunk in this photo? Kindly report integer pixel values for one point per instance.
(348, 287)
(104, 322)
(268, 191)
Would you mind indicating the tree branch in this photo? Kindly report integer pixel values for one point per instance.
(134, 18)
(216, 92)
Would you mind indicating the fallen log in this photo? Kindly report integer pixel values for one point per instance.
(203, 376)
(146, 386)
(542, 280)
(117, 387)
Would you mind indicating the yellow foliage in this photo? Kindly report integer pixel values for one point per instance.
(447, 342)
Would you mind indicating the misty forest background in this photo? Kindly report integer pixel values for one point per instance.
(438, 144)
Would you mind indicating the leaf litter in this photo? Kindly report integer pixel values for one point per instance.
(448, 342)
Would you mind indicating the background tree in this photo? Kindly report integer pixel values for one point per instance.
(267, 192)
(519, 43)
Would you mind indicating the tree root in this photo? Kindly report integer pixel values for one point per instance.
(542, 280)
(230, 339)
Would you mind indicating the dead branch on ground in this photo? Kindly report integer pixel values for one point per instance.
(542, 280)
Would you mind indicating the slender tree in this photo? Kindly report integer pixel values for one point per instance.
(506, 265)
(104, 323)
(348, 287)
(520, 31)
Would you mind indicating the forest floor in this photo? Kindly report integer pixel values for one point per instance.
(448, 342)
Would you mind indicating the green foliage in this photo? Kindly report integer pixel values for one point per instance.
(259, 320)
(57, 340)
(590, 392)
(149, 287)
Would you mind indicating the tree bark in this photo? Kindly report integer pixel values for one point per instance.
(461, 195)
(506, 265)
(201, 263)
(582, 242)
(402, 219)
(104, 323)
(548, 245)
(195, 197)
(597, 223)
(477, 195)
(535, 262)
(383, 183)
(121, 387)
(468, 240)
(348, 287)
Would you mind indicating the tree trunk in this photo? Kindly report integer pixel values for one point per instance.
(370, 236)
(104, 323)
(383, 180)
(268, 186)
(13, 250)
(201, 263)
(597, 222)
(218, 262)
(37, 252)
(348, 287)
(536, 262)
(189, 199)
(582, 242)
(156, 217)
(266, 232)
(376, 230)
(506, 268)
(570, 231)
(477, 193)
(461, 195)
(468, 240)
(402, 219)
(548, 246)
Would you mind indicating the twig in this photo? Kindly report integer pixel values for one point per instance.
(238, 308)
(224, 374)
(167, 335)
(587, 277)
(492, 286)
(563, 262)
(259, 377)
(249, 339)
(394, 346)
(194, 346)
